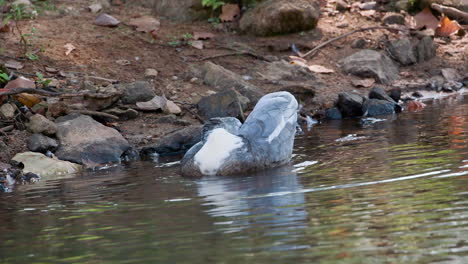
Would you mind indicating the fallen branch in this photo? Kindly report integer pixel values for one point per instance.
(451, 12)
(314, 50)
(7, 128)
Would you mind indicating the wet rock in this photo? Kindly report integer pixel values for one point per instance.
(370, 63)
(40, 124)
(395, 94)
(379, 93)
(177, 142)
(402, 51)
(41, 143)
(106, 20)
(224, 79)
(274, 17)
(425, 49)
(123, 113)
(393, 18)
(333, 114)
(359, 43)
(151, 73)
(84, 140)
(43, 166)
(223, 104)
(376, 107)
(350, 104)
(8, 111)
(141, 91)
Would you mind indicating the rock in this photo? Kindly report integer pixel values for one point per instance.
(273, 17)
(224, 79)
(21, 2)
(342, 6)
(83, 140)
(402, 5)
(172, 119)
(379, 93)
(177, 142)
(7, 111)
(151, 73)
(370, 63)
(43, 166)
(123, 113)
(359, 43)
(156, 103)
(141, 91)
(95, 8)
(172, 108)
(342, 25)
(333, 114)
(350, 104)
(103, 98)
(40, 124)
(376, 107)
(425, 49)
(402, 51)
(15, 65)
(393, 18)
(450, 74)
(20, 82)
(395, 94)
(222, 104)
(41, 143)
(106, 20)
(181, 10)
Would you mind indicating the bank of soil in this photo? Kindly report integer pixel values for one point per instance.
(99, 48)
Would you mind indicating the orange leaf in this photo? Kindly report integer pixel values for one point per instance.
(426, 19)
(229, 13)
(28, 100)
(447, 27)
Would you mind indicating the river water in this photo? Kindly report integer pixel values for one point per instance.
(384, 191)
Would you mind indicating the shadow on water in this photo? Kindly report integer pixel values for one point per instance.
(384, 191)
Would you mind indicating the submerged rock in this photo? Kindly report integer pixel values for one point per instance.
(350, 104)
(273, 17)
(333, 114)
(175, 143)
(370, 63)
(376, 107)
(82, 139)
(43, 166)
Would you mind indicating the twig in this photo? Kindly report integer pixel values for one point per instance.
(451, 12)
(220, 55)
(94, 113)
(314, 50)
(31, 91)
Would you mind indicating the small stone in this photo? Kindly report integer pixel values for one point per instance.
(151, 73)
(172, 108)
(175, 78)
(40, 124)
(157, 103)
(8, 111)
(376, 107)
(194, 79)
(12, 64)
(41, 143)
(393, 18)
(141, 91)
(20, 82)
(106, 20)
(342, 25)
(95, 8)
(359, 43)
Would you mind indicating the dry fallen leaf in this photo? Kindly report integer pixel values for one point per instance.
(202, 35)
(447, 27)
(229, 13)
(426, 19)
(366, 83)
(320, 69)
(145, 24)
(27, 99)
(69, 48)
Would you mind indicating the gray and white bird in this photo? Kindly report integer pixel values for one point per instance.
(265, 140)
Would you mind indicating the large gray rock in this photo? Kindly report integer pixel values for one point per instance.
(273, 17)
(376, 107)
(41, 143)
(224, 79)
(370, 63)
(401, 50)
(43, 166)
(350, 104)
(140, 91)
(223, 104)
(425, 49)
(84, 140)
(40, 124)
(177, 142)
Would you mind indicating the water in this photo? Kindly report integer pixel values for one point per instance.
(378, 191)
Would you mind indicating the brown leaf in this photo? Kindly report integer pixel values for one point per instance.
(202, 35)
(366, 83)
(229, 13)
(28, 100)
(145, 24)
(426, 19)
(447, 27)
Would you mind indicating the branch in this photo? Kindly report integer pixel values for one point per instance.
(314, 50)
(451, 12)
